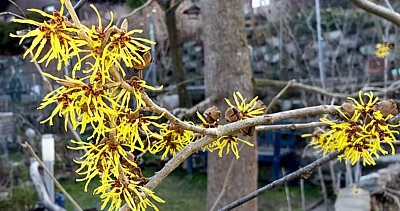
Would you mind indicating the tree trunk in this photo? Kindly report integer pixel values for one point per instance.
(178, 70)
(227, 69)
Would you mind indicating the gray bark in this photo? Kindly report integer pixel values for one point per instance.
(227, 69)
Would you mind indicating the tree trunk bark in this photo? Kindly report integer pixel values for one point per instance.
(178, 70)
(227, 69)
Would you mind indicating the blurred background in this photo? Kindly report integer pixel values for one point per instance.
(283, 44)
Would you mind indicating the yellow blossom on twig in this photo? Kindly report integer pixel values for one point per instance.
(171, 139)
(360, 136)
(58, 32)
(383, 49)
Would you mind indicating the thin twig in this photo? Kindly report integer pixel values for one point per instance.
(392, 190)
(303, 171)
(394, 197)
(77, 7)
(18, 7)
(296, 85)
(323, 187)
(133, 12)
(289, 201)
(32, 152)
(230, 129)
(157, 109)
(290, 126)
(77, 22)
(333, 176)
(184, 112)
(11, 13)
(388, 4)
(275, 99)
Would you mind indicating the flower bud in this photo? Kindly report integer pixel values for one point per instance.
(260, 104)
(387, 107)
(212, 114)
(233, 114)
(348, 108)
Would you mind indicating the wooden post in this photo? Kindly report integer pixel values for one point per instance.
(48, 156)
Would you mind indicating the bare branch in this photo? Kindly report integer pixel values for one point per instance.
(388, 4)
(133, 12)
(276, 117)
(77, 22)
(379, 10)
(394, 197)
(230, 129)
(32, 152)
(184, 112)
(274, 99)
(157, 109)
(18, 7)
(305, 171)
(296, 85)
(11, 13)
(77, 7)
(290, 126)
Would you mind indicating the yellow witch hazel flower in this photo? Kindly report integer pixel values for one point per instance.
(364, 107)
(81, 103)
(100, 158)
(128, 48)
(97, 34)
(111, 45)
(230, 143)
(360, 135)
(383, 49)
(57, 31)
(137, 88)
(247, 110)
(102, 99)
(171, 139)
(108, 160)
(134, 124)
(135, 195)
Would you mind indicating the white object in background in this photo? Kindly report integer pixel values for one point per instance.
(48, 153)
(48, 157)
(353, 198)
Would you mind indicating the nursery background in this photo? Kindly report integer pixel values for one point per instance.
(291, 54)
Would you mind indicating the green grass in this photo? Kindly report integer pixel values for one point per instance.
(180, 192)
(183, 193)
(276, 199)
(84, 199)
